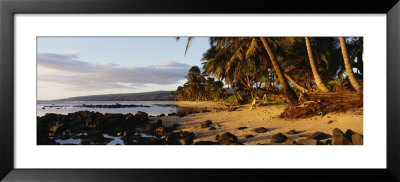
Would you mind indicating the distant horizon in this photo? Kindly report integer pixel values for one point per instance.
(75, 66)
(105, 94)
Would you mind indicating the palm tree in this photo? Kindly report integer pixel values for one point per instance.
(320, 84)
(292, 97)
(349, 70)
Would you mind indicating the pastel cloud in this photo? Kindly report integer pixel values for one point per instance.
(72, 73)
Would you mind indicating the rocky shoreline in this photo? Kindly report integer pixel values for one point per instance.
(94, 128)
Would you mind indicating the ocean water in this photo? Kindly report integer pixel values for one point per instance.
(65, 107)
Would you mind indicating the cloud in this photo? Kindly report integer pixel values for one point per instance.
(70, 51)
(72, 73)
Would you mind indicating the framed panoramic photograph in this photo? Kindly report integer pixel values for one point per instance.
(199, 91)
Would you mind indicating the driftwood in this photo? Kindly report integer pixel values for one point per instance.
(336, 96)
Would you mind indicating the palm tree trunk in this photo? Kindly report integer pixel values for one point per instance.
(292, 97)
(320, 84)
(347, 65)
(233, 91)
(301, 88)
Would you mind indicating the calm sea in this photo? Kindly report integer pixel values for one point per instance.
(65, 107)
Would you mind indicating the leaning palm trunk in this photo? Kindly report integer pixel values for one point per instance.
(347, 65)
(321, 86)
(292, 97)
(301, 88)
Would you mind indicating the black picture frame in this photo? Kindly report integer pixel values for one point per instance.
(9, 8)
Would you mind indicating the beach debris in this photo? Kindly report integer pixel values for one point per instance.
(260, 130)
(278, 138)
(206, 124)
(227, 139)
(330, 121)
(311, 108)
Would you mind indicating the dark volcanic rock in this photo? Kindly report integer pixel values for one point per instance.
(260, 130)
(94, 124)
(213, 128)
(242, 128)
(206, 143)
(206, 124)
(307, 141)
(339, 138)
(278, 138)
(319, 136)
(180, 138)
(292, 132)
(227, 139)
(46, 141)
(249, 136)
(357, 139)
(172, 114)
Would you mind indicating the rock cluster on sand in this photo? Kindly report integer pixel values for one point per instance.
(348, 138)
(92, 127)
(320, 138)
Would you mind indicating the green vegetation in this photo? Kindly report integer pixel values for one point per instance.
(200, 88)
(254, 67)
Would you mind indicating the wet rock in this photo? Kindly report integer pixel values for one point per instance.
(278, 138)
(206, 124)
(172, 114)
(227, 139)
(260, 130)
(161, 115)
(319, 136)
(339, 138)
(242, 128)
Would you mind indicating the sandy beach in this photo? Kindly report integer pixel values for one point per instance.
(266, 116)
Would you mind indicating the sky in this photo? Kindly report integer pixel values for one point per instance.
(79, 66)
